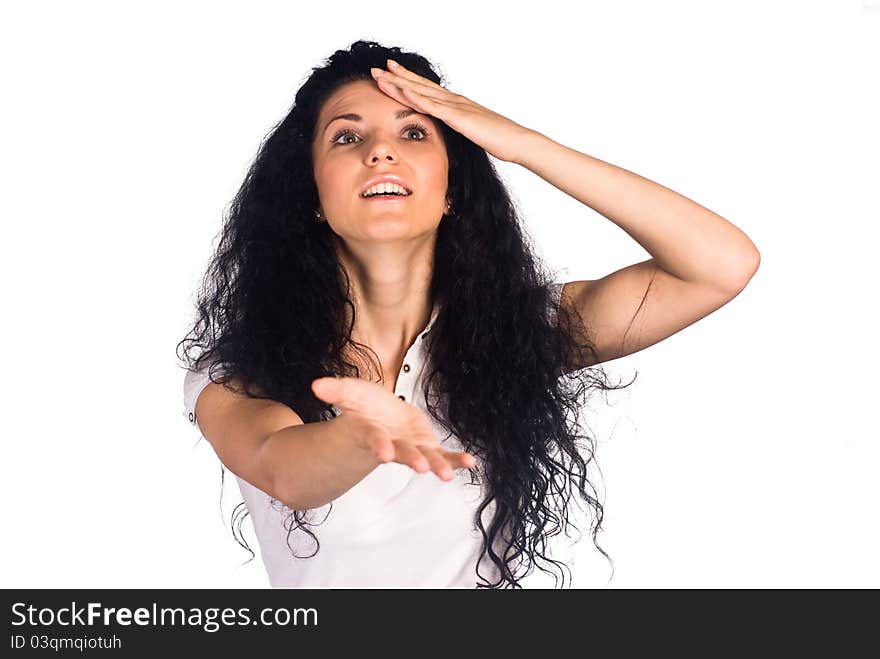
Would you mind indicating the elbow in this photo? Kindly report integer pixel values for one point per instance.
(749, 267)
(285, 496)
(753, 262)
(277, 486)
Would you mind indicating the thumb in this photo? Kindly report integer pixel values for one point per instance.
(327, 389)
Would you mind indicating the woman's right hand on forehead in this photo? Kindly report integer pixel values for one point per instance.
(390, 428)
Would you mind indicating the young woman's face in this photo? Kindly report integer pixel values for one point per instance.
(348, 152)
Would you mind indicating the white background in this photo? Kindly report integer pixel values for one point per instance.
(744, 455)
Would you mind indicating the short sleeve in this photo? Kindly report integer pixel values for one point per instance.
(193, 384)
(555, 296)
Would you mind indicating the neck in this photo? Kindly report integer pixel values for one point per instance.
(390, 287)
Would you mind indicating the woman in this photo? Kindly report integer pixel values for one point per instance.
(373, 312)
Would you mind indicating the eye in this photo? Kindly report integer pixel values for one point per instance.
(417, 127)
(343, 133)
(348, 132)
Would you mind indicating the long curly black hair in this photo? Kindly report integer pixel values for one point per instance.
(502, 376)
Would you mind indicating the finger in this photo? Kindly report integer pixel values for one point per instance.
(352, 394)
(338, 391)
(439, 464)
(407, 454)
(403, 72)
(461, 459)
(326, 389)
(395, 92)
(432, 92)
(414, 99)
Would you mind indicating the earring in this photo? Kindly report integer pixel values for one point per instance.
(318, 217)
(449, 210)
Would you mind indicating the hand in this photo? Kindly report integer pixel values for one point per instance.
(498, 135)
(389, 428)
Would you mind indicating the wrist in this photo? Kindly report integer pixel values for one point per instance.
(347, 430)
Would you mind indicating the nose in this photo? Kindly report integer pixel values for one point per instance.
(381, 150)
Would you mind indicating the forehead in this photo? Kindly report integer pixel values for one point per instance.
(361, 97)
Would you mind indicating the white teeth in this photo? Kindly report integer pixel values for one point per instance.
(385, 187)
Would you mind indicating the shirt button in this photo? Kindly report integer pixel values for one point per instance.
(406, 368)
(402, 398)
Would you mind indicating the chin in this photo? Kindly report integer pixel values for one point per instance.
(392, 228)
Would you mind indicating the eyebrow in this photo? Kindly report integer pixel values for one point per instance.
(403, 114)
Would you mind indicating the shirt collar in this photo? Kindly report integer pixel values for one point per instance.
(434, 313)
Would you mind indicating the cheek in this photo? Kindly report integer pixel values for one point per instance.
(436, 172)
(328, 181)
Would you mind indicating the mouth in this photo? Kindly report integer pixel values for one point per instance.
(395, 195)
(386, 188)
(386, 198)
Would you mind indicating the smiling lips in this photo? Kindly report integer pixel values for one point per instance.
(385, 182)
(386, 187)
(386, 197)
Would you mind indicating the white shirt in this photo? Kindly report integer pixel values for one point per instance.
(396, 528)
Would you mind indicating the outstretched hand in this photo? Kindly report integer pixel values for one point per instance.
(498, 135)
(391, 429)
